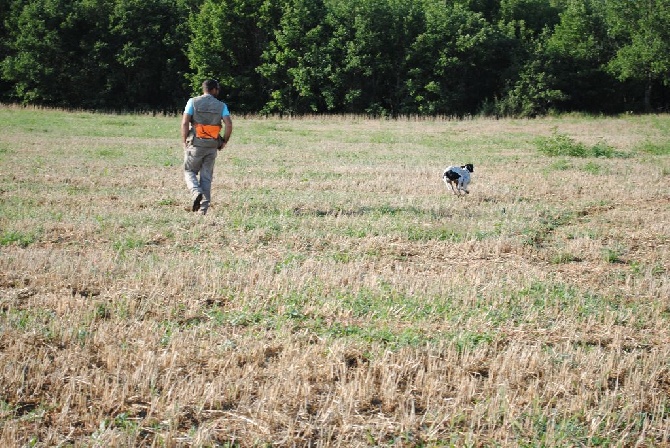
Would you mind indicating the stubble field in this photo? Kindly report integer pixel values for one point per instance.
(336, 294)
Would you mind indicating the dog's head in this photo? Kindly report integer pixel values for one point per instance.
(470, 167)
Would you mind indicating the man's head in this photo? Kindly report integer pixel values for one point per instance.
(211, 86)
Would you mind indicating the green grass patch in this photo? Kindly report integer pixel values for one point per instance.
(4, 150)
(653, 148)
(593, 168)
(108, 153)
(128, 242)
(563, 257)
(612, 255)
(561, 165)
(21, 239)
(561, 145)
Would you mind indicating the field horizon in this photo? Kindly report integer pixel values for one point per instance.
(336, 294)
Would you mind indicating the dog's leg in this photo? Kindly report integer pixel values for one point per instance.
(463, 186)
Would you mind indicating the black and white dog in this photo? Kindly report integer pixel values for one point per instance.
(458, 175)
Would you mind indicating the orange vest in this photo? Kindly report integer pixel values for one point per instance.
(206, 121)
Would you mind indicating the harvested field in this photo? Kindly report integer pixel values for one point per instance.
(337, 294)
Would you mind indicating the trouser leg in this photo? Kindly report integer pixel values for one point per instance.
(199, 173)
(192, 165)
(206, 177)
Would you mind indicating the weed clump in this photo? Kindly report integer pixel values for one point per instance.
(563, 145)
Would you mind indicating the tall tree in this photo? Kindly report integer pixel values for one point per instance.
(536, 15)
(125, 54)
(341, 56)
(147, 40)
(226, 41)
(382, 30)
(53, 52)
(293, 61)
(530, 84)
(643, 28)
(578, 50)
(454, 62)
(36, 52)
(534, 90)
(5, 14)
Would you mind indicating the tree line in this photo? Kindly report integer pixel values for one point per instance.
(518, 58)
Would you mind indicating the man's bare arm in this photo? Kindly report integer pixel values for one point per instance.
(228, 122)
(185, 126)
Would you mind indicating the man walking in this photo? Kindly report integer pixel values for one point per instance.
(201, 126)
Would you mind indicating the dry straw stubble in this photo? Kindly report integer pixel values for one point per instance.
(337, 294)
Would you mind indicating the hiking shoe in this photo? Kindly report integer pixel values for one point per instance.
(196, 202)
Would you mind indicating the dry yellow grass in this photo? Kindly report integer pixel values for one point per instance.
(337, 294)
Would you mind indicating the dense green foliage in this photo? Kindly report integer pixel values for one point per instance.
(378, 57)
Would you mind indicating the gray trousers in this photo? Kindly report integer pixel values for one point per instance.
(199, 172)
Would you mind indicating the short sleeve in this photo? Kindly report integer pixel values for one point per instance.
(224, 112)
(189, 107)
